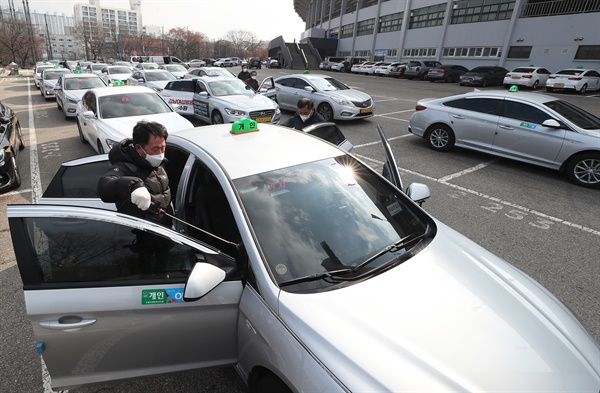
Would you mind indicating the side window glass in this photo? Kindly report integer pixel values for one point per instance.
(79, 250)
(524, 112)
(187, 86)
(455, 103)
(490, 106)
(207, 208)
(286, 82)
(300, 84)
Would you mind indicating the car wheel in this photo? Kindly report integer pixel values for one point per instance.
(484, 82)
(270, 383)
(535, 85)
(440, 137)
(81, 137)
(549, 89)
(584, 170)
(17, 179)
(217, 118)
(583, 89)
(326, 111)
(20, 134)
(449, 79)
(100, 147)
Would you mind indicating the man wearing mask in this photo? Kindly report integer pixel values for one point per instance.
(244, 74)
(305, 116)
(252, 82)
(136, 180)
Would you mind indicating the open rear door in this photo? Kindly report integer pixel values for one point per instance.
(390, 169)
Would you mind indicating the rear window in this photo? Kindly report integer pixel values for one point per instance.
(523, 70)
(482, 70)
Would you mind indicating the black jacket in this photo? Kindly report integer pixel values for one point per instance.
(244, 75)
(297, 123)
(128, 172)
(253, 83)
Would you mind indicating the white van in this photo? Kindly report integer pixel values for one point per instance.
(158, 60)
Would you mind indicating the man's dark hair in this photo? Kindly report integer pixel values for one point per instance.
(306, 103)
(143, 129)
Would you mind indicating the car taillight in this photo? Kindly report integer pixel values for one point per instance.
(418, 68)
(551, 77)
(420, 107)
(442, 71)
(527, 76)
(576, 78)
(507, 76)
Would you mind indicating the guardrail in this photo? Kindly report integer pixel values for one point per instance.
(559, 7)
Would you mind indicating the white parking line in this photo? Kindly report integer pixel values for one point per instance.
(36, 181)
(491, 198)
(379, 142)
(16, 192)
(466, 171)
(386, 99)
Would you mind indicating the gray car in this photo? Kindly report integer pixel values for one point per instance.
(296, 263)
(533, 128)
(333, 99)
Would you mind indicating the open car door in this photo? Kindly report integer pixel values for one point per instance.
(331, 133)
(267, 88)
(102, 308)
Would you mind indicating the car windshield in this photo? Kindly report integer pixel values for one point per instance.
(83, 83)
(53, 75)
(230, 88)
(576, 115)
(328, 84)
(135, 104)
(98, 67)
(326, 216)
(40, 69)
(159, 76)
(149, 66)
(119, 70)
(175, 68)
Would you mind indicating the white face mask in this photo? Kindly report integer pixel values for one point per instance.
(305, 117)
(253, 77)
(154, 160)
(245, 69)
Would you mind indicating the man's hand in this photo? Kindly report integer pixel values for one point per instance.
(141, 198)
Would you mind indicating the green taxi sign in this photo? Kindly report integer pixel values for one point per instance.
(243, 126)
(513, 89)
(118, 83)
(77, 72)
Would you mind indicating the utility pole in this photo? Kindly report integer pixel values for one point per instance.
(30, 30)
(11, 9)
(48, 40)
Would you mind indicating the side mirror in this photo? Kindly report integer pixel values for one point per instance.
(418, 192)
(141, 80)
(203, 279)
(551, 123)
(88, 115)
(57, 87)
(309, 88)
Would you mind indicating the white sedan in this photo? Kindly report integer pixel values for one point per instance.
(217, 99)
(115, 73)
(527, 76)
(296, 263)
(176, 69)
(49, 78)
(107, 115)
(577, 79)
(70, 88)
(155, 79)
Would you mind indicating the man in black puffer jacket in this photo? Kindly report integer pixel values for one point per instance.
(136, 180)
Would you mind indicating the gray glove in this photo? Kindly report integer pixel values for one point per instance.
(141, 198)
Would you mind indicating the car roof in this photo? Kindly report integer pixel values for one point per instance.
(107, 91)
(525, 96)
(272, 147)
(79, 75)
(574, 69)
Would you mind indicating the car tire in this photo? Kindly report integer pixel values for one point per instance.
(440, 137)
(17, 180)
(216, 118)
(583, 89)
(535, 85)
(584, 170)
(81, 137)
(449, 79)
(326, 111)
(270, 383)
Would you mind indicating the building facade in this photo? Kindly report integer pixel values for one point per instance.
(510, 33)
(114, 21)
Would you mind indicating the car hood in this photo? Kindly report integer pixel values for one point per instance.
(246, 102)
(350, 94)
(120, 128)
(452, 318)
(50, 82)
(595, 132)
(121, 77)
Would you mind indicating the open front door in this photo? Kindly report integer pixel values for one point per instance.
(267, 88)
(106, 304)
(390, 169)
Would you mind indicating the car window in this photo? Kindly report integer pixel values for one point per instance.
(286, 82)
(160, 76)
(89, 101)
(524, 112)
(329, 84)
(490, 106)
(300, 83)
(119, 70)
(78, 181)
(593, 73)
(76, 250)
(576, 115)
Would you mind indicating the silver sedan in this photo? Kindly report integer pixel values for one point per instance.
(533, 128)
(70, 88)
(333, 99)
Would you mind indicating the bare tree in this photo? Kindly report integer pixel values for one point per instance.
(242, 41)
(15, 42)
(93, 37)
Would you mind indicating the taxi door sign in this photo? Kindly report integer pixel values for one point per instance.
(162, 296)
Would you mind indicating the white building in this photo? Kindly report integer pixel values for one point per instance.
(510, 33)
(116, 21)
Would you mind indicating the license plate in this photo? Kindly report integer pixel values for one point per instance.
(366, 110)
(263, 119)
(516, 77)
(559, 85)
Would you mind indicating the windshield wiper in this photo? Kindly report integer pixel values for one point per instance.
(317, 276)
(402, 243)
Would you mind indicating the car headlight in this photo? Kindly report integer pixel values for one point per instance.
(477, 78)
(341, 101)
(277, 110)
(111, 143)
(235, 112)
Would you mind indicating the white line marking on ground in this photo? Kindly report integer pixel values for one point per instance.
(491, 198)
(16, 192)
(36, 181)
(386, 99)
(394, 113)
(466, 171)
(379, 142)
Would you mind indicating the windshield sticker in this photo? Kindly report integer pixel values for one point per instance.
(162, 296)
(394, 208)
(281, 269)
(528, 125)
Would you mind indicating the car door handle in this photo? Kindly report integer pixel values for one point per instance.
(458, 116)
(505, 127)
(66, 323)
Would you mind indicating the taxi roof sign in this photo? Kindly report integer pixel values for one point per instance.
(118, 83)
(513, 88)
(243, 126)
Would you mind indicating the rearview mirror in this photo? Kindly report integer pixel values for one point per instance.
(551, 123)
(309, 88)
(203, 279)
(418, 192)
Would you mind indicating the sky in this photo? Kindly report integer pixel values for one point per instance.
(266, 19)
